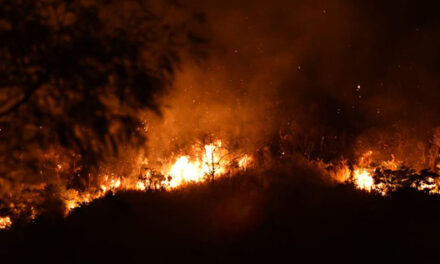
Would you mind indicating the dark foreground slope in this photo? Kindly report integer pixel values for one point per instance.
(286, 215)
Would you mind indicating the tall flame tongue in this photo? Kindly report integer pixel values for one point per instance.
(211, 163)
(204, 164)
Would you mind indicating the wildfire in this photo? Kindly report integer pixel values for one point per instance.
(385, 176)
(363, 179)
(207, 165)
(5, 222)
(244, 162)
(111, 184)
(185, 171)
(204, 164)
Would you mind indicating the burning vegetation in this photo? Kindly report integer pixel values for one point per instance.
(5, 222)
(387, 176)
(203, 164)
(106, 98)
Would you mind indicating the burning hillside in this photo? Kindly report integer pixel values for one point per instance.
(102, 100)
(204, 164)
(386, 176)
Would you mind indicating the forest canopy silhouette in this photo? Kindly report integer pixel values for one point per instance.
(75, 78)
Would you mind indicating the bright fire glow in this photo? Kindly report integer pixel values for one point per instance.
(363, 179)
(185, 171)
(204, 164)
(361, 175)
(244, 162)
(212, 161)
(5, 222)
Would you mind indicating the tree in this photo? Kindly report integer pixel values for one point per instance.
(75, 78)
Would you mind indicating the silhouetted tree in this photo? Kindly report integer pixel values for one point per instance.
(75, 78)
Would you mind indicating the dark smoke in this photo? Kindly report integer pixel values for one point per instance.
(323, 78)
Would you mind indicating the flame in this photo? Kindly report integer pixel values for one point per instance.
(140, 186)
(211, 161)
(208, 162)
(5, 222)
(202, 164)
(244, 162)
(185, 171)
(363, 179)
(361, 175)
(392, 164)
(430, 185)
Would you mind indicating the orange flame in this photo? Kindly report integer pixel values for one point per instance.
(203, 164)
(5, 222)
(244, 162)
(363, 179)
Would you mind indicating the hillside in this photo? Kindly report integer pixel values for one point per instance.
(251, 217)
